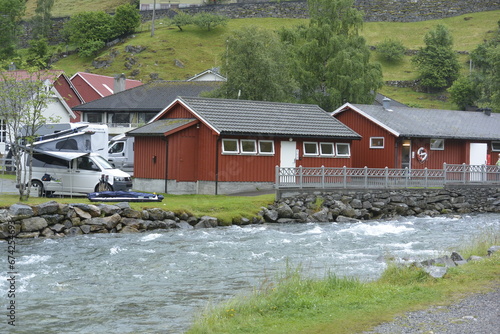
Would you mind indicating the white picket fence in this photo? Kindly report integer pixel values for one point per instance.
(329, 177)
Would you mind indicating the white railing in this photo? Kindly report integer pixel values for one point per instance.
(329, 177)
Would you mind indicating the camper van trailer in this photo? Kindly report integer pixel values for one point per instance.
(75, 172)
(121, 152)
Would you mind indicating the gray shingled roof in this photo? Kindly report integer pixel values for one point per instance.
(159, 127)
(241, 117)
(150, 97)
(435, 123)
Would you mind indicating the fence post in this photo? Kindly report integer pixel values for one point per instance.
(426, 177)
(366, 177)
(444, 173)
(345, 176)
(277, 176)
(386, 177)
(407, 176)
(323, 177)
(300, 177)
(464, 176)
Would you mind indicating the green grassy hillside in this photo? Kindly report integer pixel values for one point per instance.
(198, 50)
(67, 7)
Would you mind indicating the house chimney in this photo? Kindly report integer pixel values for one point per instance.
(386, 102)
(119, 83)
(12, 66)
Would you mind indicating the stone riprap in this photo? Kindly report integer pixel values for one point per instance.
(52, 219)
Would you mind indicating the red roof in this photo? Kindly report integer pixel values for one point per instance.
(38, 75)
(103, 85)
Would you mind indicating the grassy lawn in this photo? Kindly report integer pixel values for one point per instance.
(293, 303)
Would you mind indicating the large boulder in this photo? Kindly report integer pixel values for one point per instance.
(33, 224)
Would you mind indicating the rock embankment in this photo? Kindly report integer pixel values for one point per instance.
(354, 205)
(53, 219)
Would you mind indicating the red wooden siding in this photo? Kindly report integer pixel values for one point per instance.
(308, 161)
(145, 163)
(455, 152)
(362, 154)
(178, 111)
(86, 92)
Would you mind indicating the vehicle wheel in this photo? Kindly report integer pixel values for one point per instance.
(103, 186)
(39, 187)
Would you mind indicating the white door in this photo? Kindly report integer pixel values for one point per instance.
(478, 156)
(287, 159)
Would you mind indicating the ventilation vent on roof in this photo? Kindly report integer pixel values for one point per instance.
(386, 102)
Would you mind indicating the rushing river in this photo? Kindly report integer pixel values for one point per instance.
(158, 281)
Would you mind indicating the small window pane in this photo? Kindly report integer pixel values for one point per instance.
(495, 146)
(248, 146)
(326, 149)
(377, 142)
(230, 146)
(310, 148)
(343, 150)
(266, 147)
(437, 144)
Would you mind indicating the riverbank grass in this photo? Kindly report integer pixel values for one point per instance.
(298, 304)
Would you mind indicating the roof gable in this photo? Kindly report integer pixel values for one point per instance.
(243, 117)
(103, 84)
(151, 97)
(430, 123)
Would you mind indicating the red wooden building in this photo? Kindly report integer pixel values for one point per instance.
(217, 146)
(400, 137)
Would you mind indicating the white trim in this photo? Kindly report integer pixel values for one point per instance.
(362, 113)
(348, 148)
(230, 140)
(254, 152)
(440, 146)
(311, 154)
(326, 154)
(272, 147)
(377, 146)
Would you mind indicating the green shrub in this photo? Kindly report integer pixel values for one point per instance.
(391, 50)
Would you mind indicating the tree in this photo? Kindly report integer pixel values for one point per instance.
(257, 67)
(22, 102)
(391, 50)
(42, 19)
(11, 13)
(181, 19)
(437, 63)
(38, 53)
(332, 60)
(463, 92)
(83, 28)
(126, 20)
(486, 76)
(209, 21)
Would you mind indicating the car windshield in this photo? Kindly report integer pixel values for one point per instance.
(103, 162)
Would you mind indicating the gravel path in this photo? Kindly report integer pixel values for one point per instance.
(476, 314)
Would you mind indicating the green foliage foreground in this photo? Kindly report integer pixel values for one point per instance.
(298, 304)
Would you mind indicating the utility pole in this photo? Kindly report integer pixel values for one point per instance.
(153, 20)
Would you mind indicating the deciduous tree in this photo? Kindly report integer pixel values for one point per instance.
(257, 67)
(437, 63)
(11, 13)
(23, 98)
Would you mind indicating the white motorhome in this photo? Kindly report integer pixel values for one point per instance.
(121, 152)
(75, 172)
(82, 137)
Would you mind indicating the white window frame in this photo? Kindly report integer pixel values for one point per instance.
(338, 151)
(326, 154)
(272, 147)
(224, 151)
(440, 146)
(310, 154)
(372, 145)
(254, 142)
(495, 146)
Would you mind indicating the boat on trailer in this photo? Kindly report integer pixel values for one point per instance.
(123, 196)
